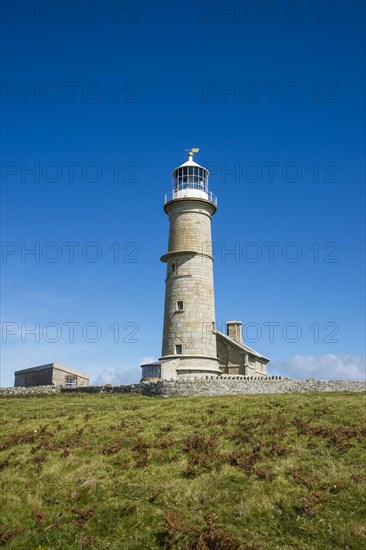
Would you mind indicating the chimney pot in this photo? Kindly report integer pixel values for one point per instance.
(234, 330)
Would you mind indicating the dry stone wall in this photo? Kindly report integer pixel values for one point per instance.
(22, 391)
(230, 385)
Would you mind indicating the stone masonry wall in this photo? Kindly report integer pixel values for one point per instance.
(23, 391)
(190, 282)
(33, 378)
(59, 378)
(230, 385)
(193, 327)
(234, 360)
(190, 225)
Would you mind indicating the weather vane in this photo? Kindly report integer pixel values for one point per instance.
(192, 151)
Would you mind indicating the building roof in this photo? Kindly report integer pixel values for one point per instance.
(157, 362)
(242, 346)
(56, 366)
(190, 162)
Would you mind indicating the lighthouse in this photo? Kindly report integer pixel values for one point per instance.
(192, 346)
(189, 313)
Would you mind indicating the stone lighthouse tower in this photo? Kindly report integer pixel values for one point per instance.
(192, 346)
(189, 339)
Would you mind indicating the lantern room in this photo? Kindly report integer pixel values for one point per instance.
(190, 180)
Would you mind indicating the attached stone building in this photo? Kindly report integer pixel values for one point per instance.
(50, 374)
(234, 356)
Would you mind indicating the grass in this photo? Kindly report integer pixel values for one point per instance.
(219, 473)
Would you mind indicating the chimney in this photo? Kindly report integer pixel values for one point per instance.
(234, 330)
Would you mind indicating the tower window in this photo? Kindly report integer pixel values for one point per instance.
(180, 306)
(178, 349)
(173, 269)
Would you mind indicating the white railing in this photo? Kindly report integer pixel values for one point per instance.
(190, 193)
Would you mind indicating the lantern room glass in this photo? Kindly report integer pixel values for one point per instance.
(190, 177)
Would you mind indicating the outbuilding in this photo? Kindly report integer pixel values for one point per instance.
(51, 374)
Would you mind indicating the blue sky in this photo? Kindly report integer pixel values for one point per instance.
(274, 97)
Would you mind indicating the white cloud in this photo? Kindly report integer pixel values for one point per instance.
(323, 367)
(122, 375)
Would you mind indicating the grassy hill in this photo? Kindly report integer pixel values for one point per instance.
(131, 472)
